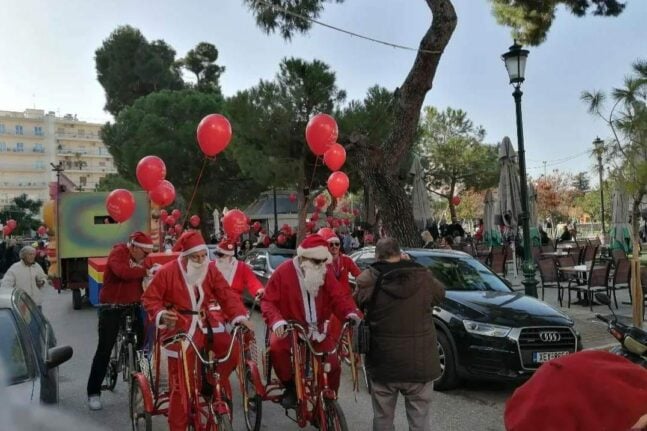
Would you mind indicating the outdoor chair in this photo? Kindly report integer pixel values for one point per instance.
(536, 254)
(549, 276)
(621, 277)
(618, 254)
(597, 280)
(548, 248)
(595, 242)
(589, 253)
(497, 260)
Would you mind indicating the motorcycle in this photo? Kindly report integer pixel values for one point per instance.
(633, 341)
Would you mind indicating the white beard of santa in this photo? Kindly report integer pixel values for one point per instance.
(313, 276)
(226, 266)
(196, 272)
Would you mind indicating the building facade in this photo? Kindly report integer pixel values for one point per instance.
(32, 141)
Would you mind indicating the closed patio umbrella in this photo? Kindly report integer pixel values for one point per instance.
(509, 188)
(491, 232)
(620, 233)
(419, 195)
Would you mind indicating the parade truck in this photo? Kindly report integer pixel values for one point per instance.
(84, 234)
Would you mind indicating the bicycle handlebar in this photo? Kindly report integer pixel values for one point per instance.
(119, 306)
(180, 336)
(293, 325)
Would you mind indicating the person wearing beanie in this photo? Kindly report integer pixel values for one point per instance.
(305, 290)
(588, 390)
(178, 300)
(26, 275)
(122, 284)
(239, 276)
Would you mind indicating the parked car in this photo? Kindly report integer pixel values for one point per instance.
(265, 260)
(28, 349)
(485, 329)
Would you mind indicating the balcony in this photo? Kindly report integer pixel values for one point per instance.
(77, 136)
(23, 152)
(23, 185)
(102, 170)
(83, 153)
(17, 167)
(27, 135)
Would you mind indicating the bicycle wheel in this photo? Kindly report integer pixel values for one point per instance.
(334, 417)
(223, 423)
(139, 417)
(252, 403)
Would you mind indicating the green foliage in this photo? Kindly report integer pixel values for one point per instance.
(25, 211)
(129, 67)
(589, 203)
(531, 19)
(270, 120)
(115, 181)
(456, 157)
(201, 62)
(581, 182)
(164, 124)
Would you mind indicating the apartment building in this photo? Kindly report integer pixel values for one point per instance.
(31, 141)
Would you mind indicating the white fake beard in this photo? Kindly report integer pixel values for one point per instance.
(225, 265)
(313, 276)
(196, 272)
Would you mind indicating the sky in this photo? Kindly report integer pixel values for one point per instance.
(48, 60)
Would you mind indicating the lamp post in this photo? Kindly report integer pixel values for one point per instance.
(515, 63)
(598, 146)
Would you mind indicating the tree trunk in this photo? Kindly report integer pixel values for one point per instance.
(303, 199)
(636, 285)
(379, 163)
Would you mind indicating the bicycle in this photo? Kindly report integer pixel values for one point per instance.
(316, 401)
(122, 357)
(205, 412)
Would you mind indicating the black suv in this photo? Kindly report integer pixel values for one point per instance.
(485, 329)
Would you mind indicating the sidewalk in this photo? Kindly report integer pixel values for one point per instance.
(593, 331)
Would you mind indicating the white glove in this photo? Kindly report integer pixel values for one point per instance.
(153, 269)
(355, 318)
(280, 331)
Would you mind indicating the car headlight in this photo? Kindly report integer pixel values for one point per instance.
(486, 329)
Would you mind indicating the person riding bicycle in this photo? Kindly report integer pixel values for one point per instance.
(122, 284)
(238, 275)
(178, 299)
(305, 290)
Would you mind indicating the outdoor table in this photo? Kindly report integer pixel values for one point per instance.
(554, 254)
(578, 269)
(566, 246)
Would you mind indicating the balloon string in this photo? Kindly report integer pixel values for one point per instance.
(314, 170)
(195, 189)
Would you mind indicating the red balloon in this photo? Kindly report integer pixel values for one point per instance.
(315, 217)
(12, 223)
(338, 184)
(176, 214)
(335, 223)
(293, 197)
(326, 232)
(356, 212)
(163, 214)
(120, 204)
(280, 239)
(234, 223)
(310, 226)
(286, 229)
(214, 134)
(456, 200)
(320, 201)
(346, 222)
(163, 194)
(178, 229)
(42, 230)
(170, 220)
(256, 226)
(170, 231)
(194, 220)
(6, 230)
(321, 133)
(335, 157)
(150, 171)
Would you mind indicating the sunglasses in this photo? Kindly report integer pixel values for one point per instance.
(316, 261)
(220, 254)
(334, 244)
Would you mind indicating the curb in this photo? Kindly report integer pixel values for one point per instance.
(604, 347)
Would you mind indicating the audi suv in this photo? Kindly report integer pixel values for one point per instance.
(485, 329)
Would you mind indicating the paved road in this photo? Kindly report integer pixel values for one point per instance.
(476, 406)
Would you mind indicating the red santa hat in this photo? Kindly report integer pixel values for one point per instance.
(327, 234)
(592, 390)
(314, 247)
(227, 247)
(140, 239)
(190, 242)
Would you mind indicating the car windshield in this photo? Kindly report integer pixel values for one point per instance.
(12, 350)
(277, 259)
(461, 273)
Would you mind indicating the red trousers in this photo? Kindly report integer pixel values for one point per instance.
(280, 350)
(178, 417)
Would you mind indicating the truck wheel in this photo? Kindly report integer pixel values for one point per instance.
(77, 299)
(448, 379)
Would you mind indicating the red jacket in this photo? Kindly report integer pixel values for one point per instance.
(122, 279)
(244, 278)
(341, 267)
(285, 300)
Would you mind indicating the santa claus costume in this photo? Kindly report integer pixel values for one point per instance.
(304, 289)
(176, 288)
(342, 266)
(237, 273)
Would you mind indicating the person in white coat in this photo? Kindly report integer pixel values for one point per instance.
(26, 275)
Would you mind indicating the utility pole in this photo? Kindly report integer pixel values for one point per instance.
(544, 162)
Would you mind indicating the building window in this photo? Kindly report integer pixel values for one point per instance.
(3, 147)
(2, 128)
(38, 131)
(81, 132)
(83, 181)
(18, 129)
(39, 164)
(20, 147)
(102, 164)
(38, 148)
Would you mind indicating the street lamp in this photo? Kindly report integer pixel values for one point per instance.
(598, 146)
(515, 63)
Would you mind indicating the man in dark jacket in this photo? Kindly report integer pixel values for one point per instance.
(398, 296)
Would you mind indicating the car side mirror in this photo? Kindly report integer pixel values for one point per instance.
(58, 355)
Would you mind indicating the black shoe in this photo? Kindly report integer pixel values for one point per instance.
(289, 399)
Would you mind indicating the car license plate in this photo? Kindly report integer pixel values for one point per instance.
(541, 357)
